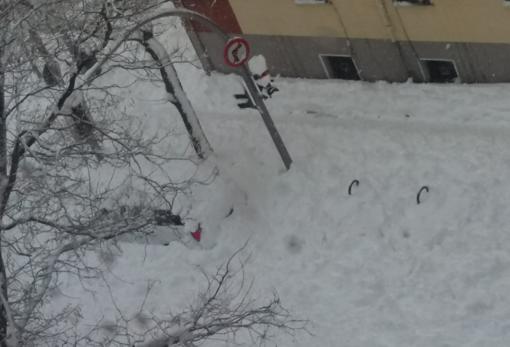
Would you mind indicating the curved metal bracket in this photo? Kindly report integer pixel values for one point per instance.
(355, 182)
(424, 188)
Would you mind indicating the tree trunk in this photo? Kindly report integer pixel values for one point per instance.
(177, 95)
(3, 310)
(3, 184)
(3, 130)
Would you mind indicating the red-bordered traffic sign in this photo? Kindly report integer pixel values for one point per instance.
(236, 52)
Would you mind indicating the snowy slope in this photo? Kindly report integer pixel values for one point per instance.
(369, 270)
(376, 269)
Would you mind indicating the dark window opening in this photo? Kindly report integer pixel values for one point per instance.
(416, 2)
(441, 71)
(341, 67)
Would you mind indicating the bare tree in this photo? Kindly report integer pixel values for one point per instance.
(224, 310)
(175, 90)
(77, 171)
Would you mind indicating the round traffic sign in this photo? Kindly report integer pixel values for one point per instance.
(237, 52)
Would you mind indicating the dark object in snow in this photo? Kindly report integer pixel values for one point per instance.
(130, 211)
(166, 217)
(85, 60)
(424, 188)
(355, 182)
(197, 234)
(263, 81)
(161, 217)
(294, 244)
(247, 103)
(230, 212)
(83, 124)
(147, 34)
(84, 127)
(270, 89)
(51, 73)
(265, 91)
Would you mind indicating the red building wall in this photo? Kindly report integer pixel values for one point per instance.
(219, 11)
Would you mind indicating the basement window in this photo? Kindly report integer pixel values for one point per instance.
(341, 67)
(413, 2)
(310, 2)
(441, 71)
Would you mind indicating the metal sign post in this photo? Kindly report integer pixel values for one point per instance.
(236, 54)
(266, 117)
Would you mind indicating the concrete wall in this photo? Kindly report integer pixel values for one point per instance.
(385, 40)
(294, 56)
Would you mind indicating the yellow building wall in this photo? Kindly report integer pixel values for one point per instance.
(284, 17)
(446, 20)
(457, 20)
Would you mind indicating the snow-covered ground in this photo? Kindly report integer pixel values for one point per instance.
(373, 269)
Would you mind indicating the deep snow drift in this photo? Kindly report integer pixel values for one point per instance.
(373, 269)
